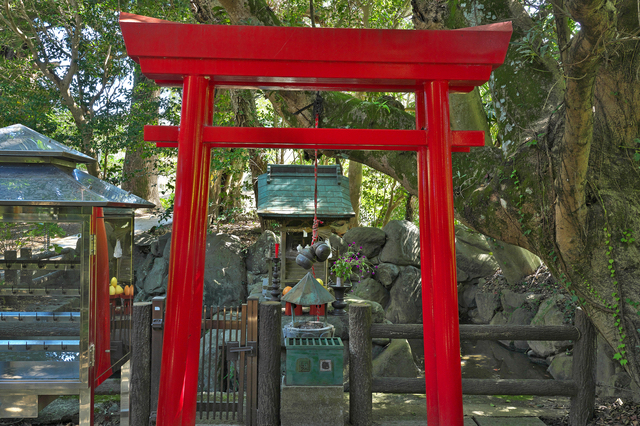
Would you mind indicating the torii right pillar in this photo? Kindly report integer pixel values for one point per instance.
(438, 258)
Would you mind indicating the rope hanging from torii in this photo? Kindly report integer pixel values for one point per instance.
(317, 251)
(317, 110)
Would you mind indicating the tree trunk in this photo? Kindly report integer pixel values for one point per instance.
(138, 170)
(244, 107)
(355, 191)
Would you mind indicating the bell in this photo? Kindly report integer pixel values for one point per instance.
(304, 261)
(307, 252)
(322, 251)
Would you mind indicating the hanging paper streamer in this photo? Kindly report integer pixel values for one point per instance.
(117, 251)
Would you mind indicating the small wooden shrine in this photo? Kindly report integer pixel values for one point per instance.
(286, 203)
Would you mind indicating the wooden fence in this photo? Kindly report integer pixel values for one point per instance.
(581, 388)
(228, 362)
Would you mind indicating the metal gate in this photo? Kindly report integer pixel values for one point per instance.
(228, 374)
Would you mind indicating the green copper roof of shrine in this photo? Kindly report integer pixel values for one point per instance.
(287, 191)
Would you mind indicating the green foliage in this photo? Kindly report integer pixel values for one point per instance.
(379, 192)
(345, 13)
(490, 111)
(14, 236)
(101, 113)
(540, 41)
(627, 237)
(350, 263)
(519, 200)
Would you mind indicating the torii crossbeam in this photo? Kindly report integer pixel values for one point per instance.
(430, 63)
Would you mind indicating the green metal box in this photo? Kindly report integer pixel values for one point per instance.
(314, 361)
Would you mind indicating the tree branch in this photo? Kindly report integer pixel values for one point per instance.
(597, 19)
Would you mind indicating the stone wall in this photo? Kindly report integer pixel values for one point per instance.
(393, 289)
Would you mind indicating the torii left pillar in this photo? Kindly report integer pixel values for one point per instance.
(186, 263)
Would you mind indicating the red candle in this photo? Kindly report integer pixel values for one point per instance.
(277, 249)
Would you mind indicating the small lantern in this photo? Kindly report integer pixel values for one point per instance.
(308, 292)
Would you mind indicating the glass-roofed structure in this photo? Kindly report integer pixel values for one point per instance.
(64, 236)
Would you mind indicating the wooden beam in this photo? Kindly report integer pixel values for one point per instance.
(345, 139)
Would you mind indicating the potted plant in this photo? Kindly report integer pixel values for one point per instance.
(350, 263)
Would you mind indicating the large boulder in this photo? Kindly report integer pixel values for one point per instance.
(155, 281)
(377, 312)
(338, 245)
(405, 305)
(606, 365)
(511, 301)
(499, 319)
(367, 240)
(473, 255)
(488, 304)
(403, 243)
(166, 250)
(515, 262)
(386, 273)
(561, 367)
(259, 252)
(549, 313)
(521, 316)
(395, 361)
(225, 271)
(142, 270)
(370, 289)
(467, 295)
(158, 246)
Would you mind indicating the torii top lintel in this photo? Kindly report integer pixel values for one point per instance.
(314, 58)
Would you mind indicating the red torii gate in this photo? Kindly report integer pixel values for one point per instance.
(430, 63)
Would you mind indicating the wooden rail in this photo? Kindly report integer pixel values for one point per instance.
(581, 388)
(482, 332)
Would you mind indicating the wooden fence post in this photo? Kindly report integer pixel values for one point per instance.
(360, 365)
(157, 329)
(140, 364)
(584, 372)
(269, 348)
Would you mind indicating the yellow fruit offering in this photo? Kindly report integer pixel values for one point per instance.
(114, 282)
(119, 290)
(320, 281)
(112, 291)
